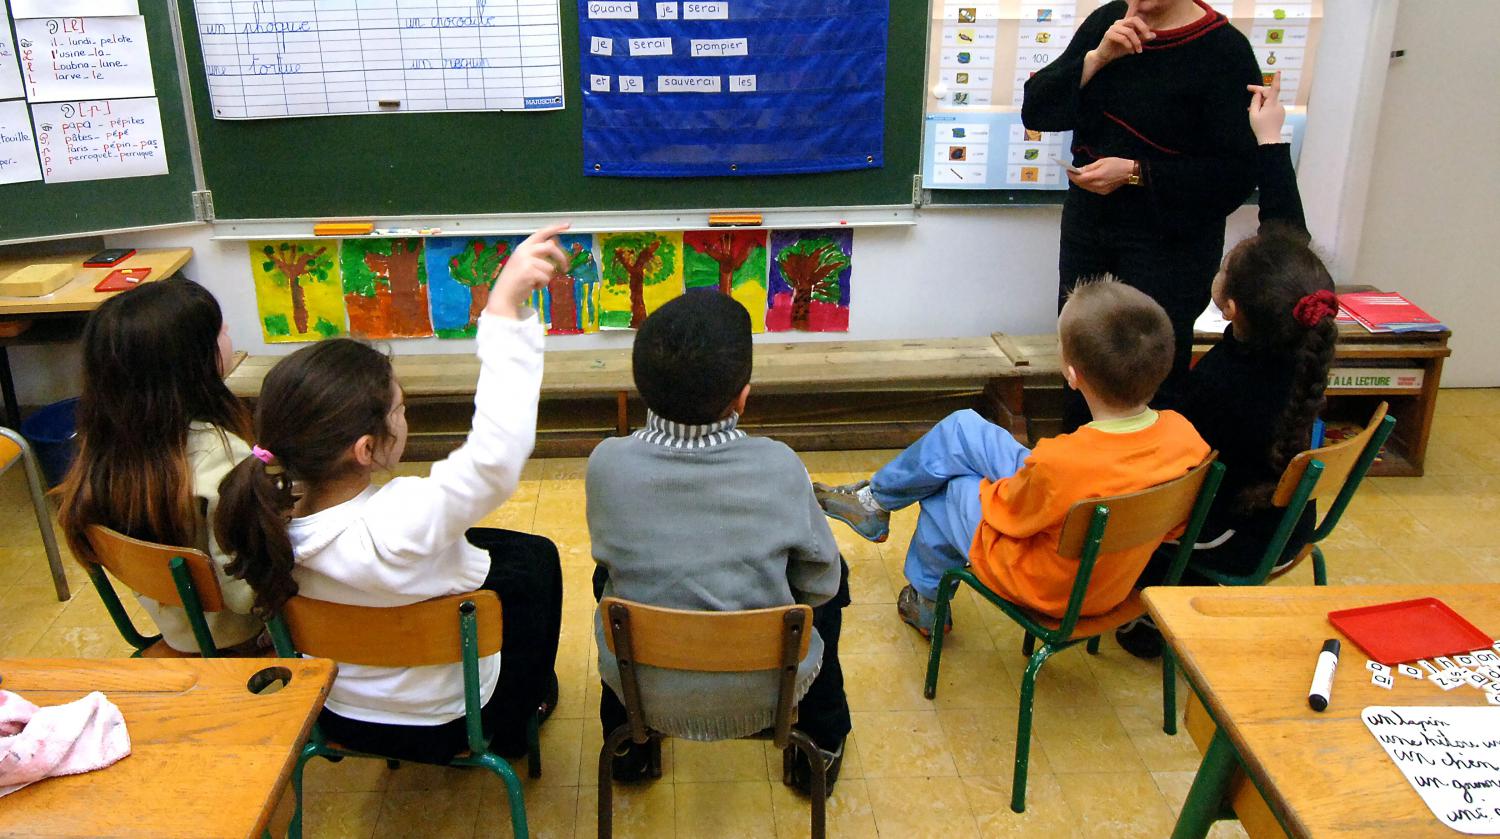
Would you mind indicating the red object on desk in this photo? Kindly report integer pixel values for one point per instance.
(123, 278)
(1396, 633)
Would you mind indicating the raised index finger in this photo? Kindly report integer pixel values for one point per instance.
(1275, 92)
(547, 232)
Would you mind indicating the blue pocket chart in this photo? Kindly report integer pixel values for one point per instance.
(691, 88)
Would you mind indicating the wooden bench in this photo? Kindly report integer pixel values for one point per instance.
(812, 395)
(1039, 370)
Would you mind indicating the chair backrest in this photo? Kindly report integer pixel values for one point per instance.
(10, 449)
(147, 567)
(719, 642)
(1338, 462)
(1136, 518)
(392, 636)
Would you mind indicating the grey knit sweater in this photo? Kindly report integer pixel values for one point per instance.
(708, 518)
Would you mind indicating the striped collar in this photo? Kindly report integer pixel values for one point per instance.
(675, 435)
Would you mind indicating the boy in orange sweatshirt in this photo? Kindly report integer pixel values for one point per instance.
(988, 501)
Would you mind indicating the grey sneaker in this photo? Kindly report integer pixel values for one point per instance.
(842, 503)
(920, 612)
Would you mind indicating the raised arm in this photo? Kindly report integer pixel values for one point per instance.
(1280, 201)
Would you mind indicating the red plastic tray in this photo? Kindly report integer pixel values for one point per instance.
(1394, 633)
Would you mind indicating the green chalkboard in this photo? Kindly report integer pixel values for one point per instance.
(481, 163)
(37, 209)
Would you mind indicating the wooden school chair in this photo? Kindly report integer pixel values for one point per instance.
(14, 449)
(718, 642)
(457, 629)
(1318, 473)
(181, 577)
(1093, 527)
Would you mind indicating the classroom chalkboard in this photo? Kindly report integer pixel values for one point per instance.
(36, 209)
(493, 163)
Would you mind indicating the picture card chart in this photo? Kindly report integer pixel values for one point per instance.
(1450, 756)
(100, 139)
(732, 87)
(981, 53)
(84, 58)
(18, 160)
(300, 58)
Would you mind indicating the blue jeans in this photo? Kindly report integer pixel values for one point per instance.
(941, 471)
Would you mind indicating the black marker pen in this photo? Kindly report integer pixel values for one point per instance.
(1322, 683)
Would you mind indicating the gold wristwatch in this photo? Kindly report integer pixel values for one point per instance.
(1134, 178)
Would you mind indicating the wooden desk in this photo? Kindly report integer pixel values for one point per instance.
(61, 310)
(208, 758)
(1249, 654)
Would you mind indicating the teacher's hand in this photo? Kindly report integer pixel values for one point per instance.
(1128, 36)
(1104, 175)
(1266, 111)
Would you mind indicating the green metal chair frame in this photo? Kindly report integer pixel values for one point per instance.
(39, 506)
(1301, 493)
(479, 754)
(674, 639)
(186, 590)
(1061, 637)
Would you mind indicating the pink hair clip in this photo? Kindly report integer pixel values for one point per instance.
(262, 455)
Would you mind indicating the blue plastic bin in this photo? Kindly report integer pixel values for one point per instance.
(52, 432)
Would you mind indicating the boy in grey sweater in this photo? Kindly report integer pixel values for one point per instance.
(692, 513)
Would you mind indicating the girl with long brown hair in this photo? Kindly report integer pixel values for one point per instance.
(157, 431)
(328, 417)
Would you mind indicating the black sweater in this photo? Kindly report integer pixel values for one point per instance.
(1178, 108)
(1236, 392)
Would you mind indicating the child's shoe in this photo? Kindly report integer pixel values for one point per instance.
(920, 612)
(802, 770)
(854, 505)
(631, 762)
(1140, 638)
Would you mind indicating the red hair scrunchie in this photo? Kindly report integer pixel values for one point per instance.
(1312, 309)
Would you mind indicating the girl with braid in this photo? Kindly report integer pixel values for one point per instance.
(1255, 395)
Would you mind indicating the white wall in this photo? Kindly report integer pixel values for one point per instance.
(1432, 229)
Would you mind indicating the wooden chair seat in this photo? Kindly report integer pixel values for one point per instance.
(1088, 627)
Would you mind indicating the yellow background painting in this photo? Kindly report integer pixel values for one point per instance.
(315, 265)
(661, 274)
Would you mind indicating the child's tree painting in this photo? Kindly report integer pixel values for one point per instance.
(385, 288)
(731, 261)
(641, 272)
(460, 272)
(297, 290)
(809, 285)
(570, 303)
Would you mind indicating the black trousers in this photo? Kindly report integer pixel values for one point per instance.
(526, 574)
(823, 713)
(1101, 237)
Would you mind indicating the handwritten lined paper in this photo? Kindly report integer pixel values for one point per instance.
(77, 8)
(321, 57)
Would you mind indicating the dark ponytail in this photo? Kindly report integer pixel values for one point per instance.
(1286, 294)
(314, 405)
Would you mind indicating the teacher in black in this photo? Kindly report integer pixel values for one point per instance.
(1154, 92)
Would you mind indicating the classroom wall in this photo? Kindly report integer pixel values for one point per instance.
(1431, 226)
(954, 273)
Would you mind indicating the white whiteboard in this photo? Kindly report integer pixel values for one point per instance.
(325, 57)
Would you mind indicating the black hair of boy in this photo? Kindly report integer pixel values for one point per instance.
(693, 356)
(1119, 339)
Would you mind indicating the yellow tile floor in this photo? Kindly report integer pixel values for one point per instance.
(1100, 764)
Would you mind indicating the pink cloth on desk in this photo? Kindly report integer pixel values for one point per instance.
(37, 743)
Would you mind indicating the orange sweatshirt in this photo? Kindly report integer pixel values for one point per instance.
(1015, 546)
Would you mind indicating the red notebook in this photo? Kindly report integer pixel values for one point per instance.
(1387, 311)
(121, 279)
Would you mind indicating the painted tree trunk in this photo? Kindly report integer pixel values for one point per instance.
(801, 306)
(406, 292)
(479, 295)
(726, 277)
(299, 306)
(564, 306)
(637, 299)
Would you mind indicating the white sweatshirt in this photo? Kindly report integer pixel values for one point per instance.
(404, 542)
